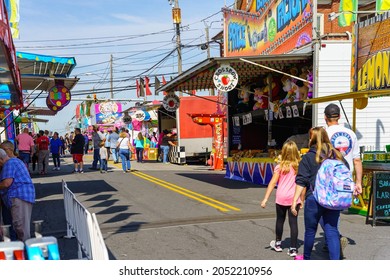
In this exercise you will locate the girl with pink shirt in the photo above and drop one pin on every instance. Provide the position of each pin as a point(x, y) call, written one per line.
point(284, 176)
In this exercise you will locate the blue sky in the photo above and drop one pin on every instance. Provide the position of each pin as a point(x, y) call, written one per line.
point(138, 34)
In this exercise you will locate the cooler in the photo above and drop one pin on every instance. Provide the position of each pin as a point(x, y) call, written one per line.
point(12, 250)
point(42, 248)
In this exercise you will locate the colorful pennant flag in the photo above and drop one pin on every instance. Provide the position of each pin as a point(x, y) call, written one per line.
point(137, 87)
point(141, 87)
point(157, 84)
point(147, 88)
point(347, 11)
point(164, 82)
point(13, 16)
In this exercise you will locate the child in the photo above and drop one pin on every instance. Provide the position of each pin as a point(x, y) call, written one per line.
point(284, 176)
point(103, 157)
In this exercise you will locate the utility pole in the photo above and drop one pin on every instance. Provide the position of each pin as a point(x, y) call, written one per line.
point(111, 78)
point(176, 16)
point(212, 92)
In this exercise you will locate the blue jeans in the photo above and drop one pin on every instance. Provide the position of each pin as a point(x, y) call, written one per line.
point(25, 157)
point(96, 158)
point(114, 155)
point(165, 150)
point(312, 216)
point(140, 154)
point(125, 157)
point(103, 166)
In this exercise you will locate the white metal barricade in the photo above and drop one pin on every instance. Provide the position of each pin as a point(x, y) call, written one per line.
point(84, 226)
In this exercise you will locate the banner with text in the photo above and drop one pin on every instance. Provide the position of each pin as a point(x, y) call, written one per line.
point(280, 27)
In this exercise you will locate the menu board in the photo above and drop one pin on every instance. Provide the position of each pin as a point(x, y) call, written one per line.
point(381, 196)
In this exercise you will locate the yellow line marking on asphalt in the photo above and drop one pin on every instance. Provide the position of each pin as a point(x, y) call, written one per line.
point(194, 195)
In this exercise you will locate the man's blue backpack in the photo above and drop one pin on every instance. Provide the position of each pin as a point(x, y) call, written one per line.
point(334, 185)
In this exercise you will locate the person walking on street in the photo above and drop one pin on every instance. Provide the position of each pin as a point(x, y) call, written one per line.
point(114, 136)
point(25, 146)
point(139, 147)
point(284, 176)
point(107, 143)
point(86, 142)
point(43, 152)
point(124, 146)
point(97, 138)
point(55, 149)
point(77, 151)
point(345, 141)
point(320, 149)
point(103, 158)
point(18, 193)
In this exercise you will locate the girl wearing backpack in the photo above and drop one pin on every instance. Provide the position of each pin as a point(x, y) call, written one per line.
point(320, 150)
point(284, 176)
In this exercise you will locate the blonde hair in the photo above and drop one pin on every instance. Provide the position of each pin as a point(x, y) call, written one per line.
point(123, 134)
point(140, 136)
point(324, 148)
point(289, 157)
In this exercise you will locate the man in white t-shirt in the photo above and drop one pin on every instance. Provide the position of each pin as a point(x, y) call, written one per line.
point(344, 140)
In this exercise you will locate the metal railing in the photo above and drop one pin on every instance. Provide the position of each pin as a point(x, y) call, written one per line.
point(84, 226)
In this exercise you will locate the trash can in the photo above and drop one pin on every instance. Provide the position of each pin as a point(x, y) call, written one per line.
point(42, 248)
point(13, 250)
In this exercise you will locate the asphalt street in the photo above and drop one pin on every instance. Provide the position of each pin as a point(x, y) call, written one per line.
point(143, 215)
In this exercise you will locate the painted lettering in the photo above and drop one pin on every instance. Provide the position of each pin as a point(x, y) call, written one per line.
point(262, 4)
point(236, 36)
point(289, 10)
point(383, 183)
point(382, 195)
point(374, 74)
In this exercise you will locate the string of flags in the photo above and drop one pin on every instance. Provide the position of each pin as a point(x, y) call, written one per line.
point(143, 86)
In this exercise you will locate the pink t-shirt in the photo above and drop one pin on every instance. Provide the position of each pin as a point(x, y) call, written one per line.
point(286, 187)
point(25, 142)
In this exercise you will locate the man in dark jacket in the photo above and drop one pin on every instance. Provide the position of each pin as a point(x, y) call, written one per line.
point(77, 151)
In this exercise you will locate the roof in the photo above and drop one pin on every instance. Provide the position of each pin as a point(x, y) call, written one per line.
point(44, 65)
point(42, 111)
point(45, 83)
point(200, 76)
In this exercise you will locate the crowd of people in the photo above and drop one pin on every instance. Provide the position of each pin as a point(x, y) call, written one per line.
point(295, 177)
point(30, 153)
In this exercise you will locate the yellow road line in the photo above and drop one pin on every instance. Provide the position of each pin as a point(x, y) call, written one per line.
point(183, 191)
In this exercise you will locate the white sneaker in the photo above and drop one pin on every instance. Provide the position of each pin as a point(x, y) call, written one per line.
point(58, 168)
point(276, 245)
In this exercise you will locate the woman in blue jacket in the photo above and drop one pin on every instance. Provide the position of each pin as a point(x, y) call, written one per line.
point(320, 149)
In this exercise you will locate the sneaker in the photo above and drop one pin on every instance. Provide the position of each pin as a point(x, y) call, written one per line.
point(58, 168)
point(343, 244)
point(276, 245)
point(81, 171)
point(74, 171)
point(55, 168)
point(292, 252)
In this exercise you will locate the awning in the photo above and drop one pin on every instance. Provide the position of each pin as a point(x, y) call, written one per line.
point(44, 65)
point(45, 83)
point(42, 111)
point(200, 76)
